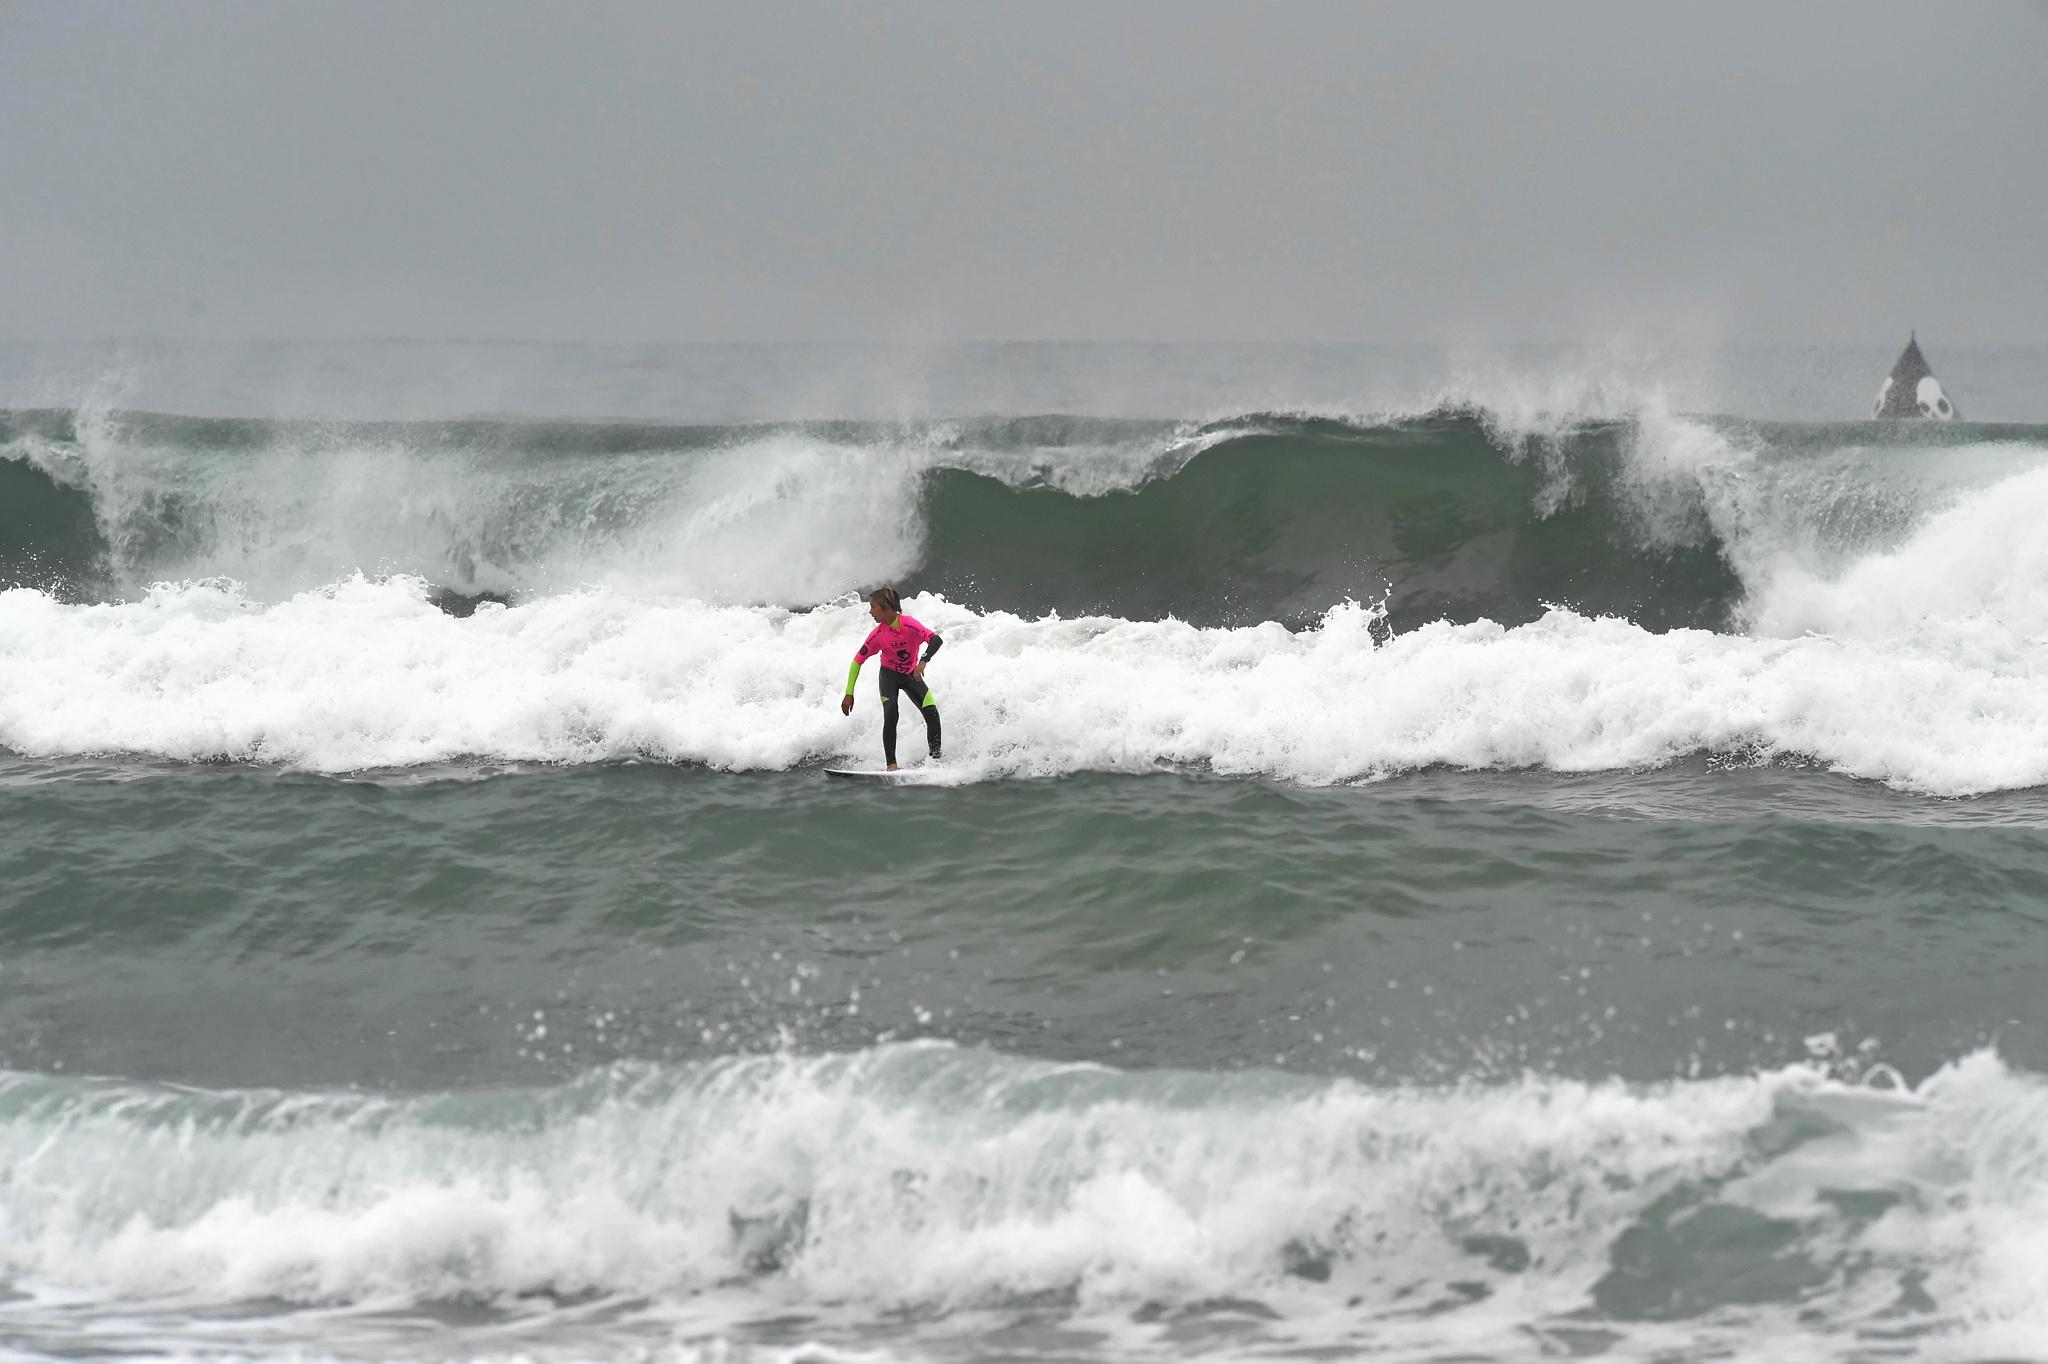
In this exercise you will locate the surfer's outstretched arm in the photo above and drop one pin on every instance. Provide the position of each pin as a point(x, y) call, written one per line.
point(852, 676)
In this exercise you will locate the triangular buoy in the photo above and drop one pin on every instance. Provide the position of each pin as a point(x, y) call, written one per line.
point(1911, 390)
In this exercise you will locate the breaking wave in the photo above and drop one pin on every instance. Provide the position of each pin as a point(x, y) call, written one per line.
point(1457, 514)
point(928, 1179)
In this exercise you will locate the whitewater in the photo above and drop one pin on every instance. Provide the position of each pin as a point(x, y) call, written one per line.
point(1357, 1217)
point(1311, 599)
point(370, 675)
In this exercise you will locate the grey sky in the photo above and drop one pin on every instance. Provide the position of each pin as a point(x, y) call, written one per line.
point(1449, 172)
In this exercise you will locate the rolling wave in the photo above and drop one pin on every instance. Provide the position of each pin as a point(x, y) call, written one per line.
point(1281, 518)
point(1453, 514)
point(929, 1179)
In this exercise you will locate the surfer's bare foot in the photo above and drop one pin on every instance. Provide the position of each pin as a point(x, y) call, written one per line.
point(892, 767)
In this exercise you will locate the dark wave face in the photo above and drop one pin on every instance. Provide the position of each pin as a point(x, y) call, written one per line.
point(1280, 519)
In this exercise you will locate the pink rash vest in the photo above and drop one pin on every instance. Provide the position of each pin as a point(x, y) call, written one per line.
point(897, 644)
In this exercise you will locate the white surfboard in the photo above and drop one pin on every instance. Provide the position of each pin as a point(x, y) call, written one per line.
point(881, 774)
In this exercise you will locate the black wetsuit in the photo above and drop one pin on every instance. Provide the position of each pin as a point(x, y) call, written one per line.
point(894, 682)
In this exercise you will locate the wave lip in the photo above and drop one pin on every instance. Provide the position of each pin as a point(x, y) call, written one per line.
point(923, 1179)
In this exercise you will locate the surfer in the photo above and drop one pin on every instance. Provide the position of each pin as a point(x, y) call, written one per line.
point(896, 637)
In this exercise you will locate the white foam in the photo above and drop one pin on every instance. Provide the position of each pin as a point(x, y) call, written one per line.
point(1974, 1175)
point(913, 1175)
point(1975, 571)
point(781, 517)
point(367, 674)
point(927, 1178)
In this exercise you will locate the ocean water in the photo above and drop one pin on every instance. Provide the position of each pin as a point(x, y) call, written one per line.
point(1438, 857)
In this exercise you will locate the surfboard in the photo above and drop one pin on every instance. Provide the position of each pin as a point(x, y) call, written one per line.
point(881, 774)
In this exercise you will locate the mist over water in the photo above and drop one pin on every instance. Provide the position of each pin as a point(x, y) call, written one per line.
point(1523, 854)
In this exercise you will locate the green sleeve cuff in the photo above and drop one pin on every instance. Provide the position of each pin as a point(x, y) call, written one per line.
point(852, 676)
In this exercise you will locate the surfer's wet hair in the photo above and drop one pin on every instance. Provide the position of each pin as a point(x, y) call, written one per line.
point(886, 598)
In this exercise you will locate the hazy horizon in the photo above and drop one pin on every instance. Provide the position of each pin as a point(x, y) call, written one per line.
point(898, 173)
point(1504, 347)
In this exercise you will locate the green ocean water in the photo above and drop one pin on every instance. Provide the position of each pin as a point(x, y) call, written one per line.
point(238, 927)
point(488, 992)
